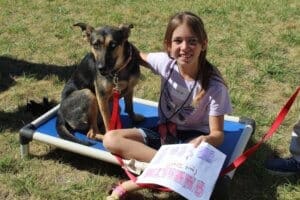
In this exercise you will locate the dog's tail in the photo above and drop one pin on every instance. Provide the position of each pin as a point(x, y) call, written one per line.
point(64, 132)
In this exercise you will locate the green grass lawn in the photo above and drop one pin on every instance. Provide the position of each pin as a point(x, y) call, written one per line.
point(254, 43)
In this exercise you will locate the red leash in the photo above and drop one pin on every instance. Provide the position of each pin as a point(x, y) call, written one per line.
point(115, 120)
point(115, 123)
point(278, 120)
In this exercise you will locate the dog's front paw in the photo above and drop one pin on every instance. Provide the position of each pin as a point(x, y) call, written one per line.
point(99, 137)
point(91, 134)
point(95, 136)
point(137, 118)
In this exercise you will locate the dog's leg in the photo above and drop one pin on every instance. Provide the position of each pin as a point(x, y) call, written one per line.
point(93, 131)
point(103, 103)
point(105, 111)
point(128, 98)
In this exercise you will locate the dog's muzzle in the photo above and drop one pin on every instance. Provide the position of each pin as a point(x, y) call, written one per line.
point(100, 66)
point(104, 70)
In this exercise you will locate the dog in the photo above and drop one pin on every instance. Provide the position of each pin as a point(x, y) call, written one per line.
point(86, 100)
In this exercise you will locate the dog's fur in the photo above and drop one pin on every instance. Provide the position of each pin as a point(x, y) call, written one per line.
point(87, 96)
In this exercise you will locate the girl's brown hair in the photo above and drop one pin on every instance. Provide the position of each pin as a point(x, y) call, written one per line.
point(206, 70)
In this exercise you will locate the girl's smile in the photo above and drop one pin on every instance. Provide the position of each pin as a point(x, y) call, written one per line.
point(185, 47)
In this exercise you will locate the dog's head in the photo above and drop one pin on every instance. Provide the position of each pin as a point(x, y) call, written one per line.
point(107, 45)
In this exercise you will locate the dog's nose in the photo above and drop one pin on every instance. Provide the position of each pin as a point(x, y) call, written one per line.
point(99, 65)
point(103, 69)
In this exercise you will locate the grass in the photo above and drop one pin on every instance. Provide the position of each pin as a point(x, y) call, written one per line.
point(255, 44)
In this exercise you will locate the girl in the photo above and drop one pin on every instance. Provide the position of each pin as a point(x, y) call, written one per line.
point(193, 99)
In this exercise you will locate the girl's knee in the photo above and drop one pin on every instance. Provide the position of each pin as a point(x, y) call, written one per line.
point(110, 140)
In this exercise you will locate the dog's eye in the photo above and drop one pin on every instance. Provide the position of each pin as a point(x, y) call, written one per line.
point(97, 45)
point(112, 45)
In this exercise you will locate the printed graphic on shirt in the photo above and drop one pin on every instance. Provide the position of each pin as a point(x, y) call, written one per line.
point(175, 96)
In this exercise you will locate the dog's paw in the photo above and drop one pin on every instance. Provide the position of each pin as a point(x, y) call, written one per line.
point(99, 137)
point(95, 135)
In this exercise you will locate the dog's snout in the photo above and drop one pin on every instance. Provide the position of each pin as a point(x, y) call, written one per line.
point(99, 65)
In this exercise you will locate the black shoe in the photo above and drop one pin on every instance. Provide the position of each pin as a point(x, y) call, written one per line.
point(283, 166)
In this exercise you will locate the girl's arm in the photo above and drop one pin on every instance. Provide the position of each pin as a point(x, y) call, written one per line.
point(216, 134)
point(143, 60)
point(144, 56)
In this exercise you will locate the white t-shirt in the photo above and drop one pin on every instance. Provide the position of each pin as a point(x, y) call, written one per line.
point(215, 102)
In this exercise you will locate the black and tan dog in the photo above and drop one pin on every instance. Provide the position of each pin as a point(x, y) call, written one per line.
point(86, 100)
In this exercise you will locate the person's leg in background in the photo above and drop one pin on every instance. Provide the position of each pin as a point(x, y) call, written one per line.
point(291, 165)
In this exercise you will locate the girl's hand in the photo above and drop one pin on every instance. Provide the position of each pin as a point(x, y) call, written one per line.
point(203, 138)
point(216, 134)
point(214, 140)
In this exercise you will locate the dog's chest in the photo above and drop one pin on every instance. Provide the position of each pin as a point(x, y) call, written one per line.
point(106, 85)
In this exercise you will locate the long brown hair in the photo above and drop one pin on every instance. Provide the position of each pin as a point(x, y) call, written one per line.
point(206, 70)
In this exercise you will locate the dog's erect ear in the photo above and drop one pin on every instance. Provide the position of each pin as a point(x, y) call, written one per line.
point(86, 28)
point(126, 29)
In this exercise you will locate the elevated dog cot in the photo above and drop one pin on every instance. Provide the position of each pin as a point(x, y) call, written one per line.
point(237, 133)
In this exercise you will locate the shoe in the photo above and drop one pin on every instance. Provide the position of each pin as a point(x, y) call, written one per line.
point(283, 166)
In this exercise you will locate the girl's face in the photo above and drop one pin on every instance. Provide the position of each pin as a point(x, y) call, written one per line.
point(185, 46)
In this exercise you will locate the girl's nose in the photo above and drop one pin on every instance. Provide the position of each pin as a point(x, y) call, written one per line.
point(185, 44)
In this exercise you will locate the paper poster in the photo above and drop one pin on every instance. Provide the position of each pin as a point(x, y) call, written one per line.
point(191, 172)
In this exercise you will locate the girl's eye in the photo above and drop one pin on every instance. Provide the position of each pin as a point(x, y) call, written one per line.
point(177, 41)
point(193, 41)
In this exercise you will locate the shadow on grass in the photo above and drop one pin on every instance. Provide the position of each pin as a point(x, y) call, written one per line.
point(10, 68)
point(253, 181)
point(13, 121)
point(99, 167)
point(84, 163)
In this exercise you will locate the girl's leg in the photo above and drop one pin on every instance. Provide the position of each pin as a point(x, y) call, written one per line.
point(129, 144)
point(290, 165)
point(295, 142)
point(122, 189)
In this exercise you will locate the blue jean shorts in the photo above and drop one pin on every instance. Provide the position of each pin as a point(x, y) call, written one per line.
point(152, 137)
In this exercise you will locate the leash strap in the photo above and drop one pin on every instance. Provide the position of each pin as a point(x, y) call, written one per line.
point(115, 121)
point(278, 120)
